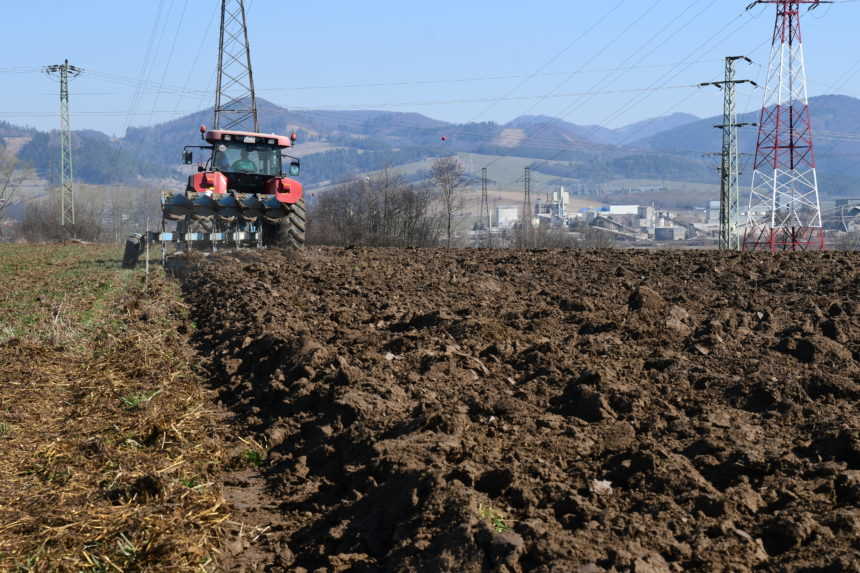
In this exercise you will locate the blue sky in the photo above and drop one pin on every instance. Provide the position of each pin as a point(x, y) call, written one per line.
point(474, 60)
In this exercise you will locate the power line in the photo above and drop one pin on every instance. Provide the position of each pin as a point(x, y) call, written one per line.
point(145, 67)
point(183, 90)
point(204, 38)
point(635, 100)
point(170, 56)
point(555, 57)
point(366, 106)
point(637, 52)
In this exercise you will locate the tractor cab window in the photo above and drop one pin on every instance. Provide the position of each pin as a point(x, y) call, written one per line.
point(236, 157)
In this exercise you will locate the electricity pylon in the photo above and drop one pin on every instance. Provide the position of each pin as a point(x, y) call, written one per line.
point(64, 72)
point(235, 100)
point(528, 231)
point(484, 216)
point(784, 208)
point(730, 239)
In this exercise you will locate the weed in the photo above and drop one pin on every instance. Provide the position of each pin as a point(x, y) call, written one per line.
point(7, 333)
point(96, 565)
point(190, 483)
point(57, 476)
point(99, 567)
point(29, 565)
point(58, 327)
point(132, 443)
point(494, 517)
point(50, 469)
point(139, 400)
point(253, 457)
point(126, 548)
point(4, 429)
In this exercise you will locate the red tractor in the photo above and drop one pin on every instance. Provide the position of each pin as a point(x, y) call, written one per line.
point(242, 195)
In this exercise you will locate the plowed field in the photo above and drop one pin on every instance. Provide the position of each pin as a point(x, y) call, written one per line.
point(544, 411)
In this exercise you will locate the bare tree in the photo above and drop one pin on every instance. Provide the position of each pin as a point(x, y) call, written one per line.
point(849, 241)
point(11, 177)
point(378, 211)
point(448, 175)
point(41, 219)
point(595, 238)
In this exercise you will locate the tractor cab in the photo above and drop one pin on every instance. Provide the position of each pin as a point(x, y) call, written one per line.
point(242, 161)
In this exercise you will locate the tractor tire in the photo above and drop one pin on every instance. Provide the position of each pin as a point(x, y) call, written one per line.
point(292, 228)
point(134, 246)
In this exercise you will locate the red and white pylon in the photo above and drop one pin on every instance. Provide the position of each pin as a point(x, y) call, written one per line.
point(784, 208)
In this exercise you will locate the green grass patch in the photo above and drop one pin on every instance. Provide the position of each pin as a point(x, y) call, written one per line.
point(138, 400)
point(59, 294)
point(253, 458)
point(496, 518)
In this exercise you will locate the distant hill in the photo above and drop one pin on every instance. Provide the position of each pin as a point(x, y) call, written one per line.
point(343, 143)
point(651, 127)
point(98, 159)
point(9, 130)
point(836, 129)
point(338, 145)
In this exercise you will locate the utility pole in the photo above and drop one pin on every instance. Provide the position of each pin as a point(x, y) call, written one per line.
point(730, 197)
point(484, 217)
point(235, 100)
point(64, 72)
point(785, 208)
point(527, 207)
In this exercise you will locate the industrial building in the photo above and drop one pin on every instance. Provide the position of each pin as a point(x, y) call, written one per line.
point(555, 209)
point(507, 216)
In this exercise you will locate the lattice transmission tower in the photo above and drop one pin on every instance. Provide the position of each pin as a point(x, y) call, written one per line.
point(528, 212)
point(235, 100)
point(64, 72)
point(730, 238)
point(484, 217)
point(784, 207)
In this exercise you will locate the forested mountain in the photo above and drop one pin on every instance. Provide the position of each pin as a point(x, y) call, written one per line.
point(9, 130)
point(338, 145)
point(97, 159)
point(835, 127)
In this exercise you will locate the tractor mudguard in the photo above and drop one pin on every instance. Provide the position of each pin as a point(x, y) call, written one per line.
point(287, 191)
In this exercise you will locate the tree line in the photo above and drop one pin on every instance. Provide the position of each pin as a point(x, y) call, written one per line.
point(379, 211)
point(385, 210)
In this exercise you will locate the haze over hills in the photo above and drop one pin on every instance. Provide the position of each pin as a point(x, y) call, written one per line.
point(835, 126)
point(338, 145)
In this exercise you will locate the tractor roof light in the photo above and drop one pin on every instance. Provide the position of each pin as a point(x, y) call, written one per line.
point(228, 137)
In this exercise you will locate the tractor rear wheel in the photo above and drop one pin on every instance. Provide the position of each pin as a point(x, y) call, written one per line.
point(292, 227)
point(134, 246)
